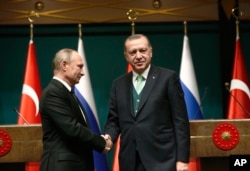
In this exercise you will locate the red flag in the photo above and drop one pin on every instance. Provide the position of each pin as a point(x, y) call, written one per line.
point(29, 105)
point(115, 166)
point(194, 164)
point(239, 100)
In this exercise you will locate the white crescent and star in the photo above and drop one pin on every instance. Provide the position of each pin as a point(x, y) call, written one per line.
point(239, 84)
point(29, 91)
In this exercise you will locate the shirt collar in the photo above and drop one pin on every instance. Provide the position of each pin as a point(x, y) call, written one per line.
point(63, 82)
point(144, 74)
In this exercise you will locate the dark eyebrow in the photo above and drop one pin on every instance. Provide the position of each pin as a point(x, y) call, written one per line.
point(140, 50)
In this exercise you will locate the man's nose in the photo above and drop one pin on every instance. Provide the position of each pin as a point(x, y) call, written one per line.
point(138, 54)
point(82, 72)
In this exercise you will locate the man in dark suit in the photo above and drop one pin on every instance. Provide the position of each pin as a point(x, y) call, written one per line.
point(67, 140)
point(152, 122)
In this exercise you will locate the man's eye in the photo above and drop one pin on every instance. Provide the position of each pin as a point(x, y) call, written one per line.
point(133, 52)
point(143, 50)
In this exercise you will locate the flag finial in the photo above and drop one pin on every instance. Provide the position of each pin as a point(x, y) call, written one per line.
point(237, 13)
point(31, 19)
point(132, 16)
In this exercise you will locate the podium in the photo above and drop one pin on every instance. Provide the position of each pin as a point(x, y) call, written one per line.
point(213, 158)
point(27, 143)
point(26, 146)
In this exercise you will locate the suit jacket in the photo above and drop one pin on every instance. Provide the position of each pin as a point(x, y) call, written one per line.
point(159, 131)
point(67, 140)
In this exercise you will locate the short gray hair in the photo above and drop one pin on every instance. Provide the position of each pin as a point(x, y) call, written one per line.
point(63, 54)
point(136, 36)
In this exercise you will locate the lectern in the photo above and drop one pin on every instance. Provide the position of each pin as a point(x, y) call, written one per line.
point(25, 146)
point(213, 141)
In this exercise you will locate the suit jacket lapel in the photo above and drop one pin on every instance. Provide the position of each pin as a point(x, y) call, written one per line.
point(128, 90)
point(76, 104)
point(151, 80)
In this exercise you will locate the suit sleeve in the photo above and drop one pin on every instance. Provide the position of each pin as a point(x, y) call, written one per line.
point(112, 124)
point(180, 118)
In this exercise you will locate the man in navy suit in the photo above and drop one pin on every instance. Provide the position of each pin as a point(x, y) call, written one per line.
point(68, 142)
point(153, 123)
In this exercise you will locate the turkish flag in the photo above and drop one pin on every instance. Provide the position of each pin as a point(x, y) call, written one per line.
point(239, 95)
point(29, 105)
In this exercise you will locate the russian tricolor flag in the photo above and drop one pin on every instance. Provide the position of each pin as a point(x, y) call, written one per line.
point(191, 94)
point(84, 93)
point(189, 84)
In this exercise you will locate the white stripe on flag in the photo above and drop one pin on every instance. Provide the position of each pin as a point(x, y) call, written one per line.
point(189, 84)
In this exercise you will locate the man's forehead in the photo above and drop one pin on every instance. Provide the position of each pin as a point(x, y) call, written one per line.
point(137, 45)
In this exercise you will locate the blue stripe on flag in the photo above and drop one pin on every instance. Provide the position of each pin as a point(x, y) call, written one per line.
point(100, 162)
point(193, 108)
point(91, 118)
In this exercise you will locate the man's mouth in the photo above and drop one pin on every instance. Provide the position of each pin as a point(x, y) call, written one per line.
point(139, 63)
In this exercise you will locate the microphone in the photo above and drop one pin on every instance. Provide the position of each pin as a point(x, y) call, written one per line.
point(227, 85)
point(19, 114)
point(202, 100)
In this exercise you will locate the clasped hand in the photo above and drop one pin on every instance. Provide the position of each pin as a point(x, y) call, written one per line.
point(109, 143)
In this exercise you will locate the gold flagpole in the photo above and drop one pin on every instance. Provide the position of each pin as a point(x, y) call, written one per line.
point(80, 30)
point(31, 31)
point(237, 28)
point(132, 16)
point(185, 28)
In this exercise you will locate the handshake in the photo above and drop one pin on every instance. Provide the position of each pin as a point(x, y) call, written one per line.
point(109, 143)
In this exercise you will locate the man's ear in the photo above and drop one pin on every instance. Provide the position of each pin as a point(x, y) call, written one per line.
point(64, 65)
point(125, 56)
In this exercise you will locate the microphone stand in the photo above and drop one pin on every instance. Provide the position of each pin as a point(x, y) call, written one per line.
point(19, 114)
point(205, 94)
point(243, 107)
